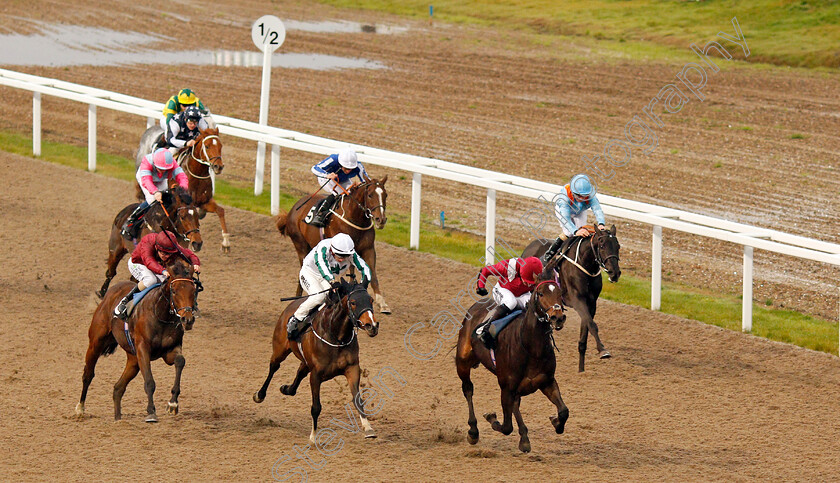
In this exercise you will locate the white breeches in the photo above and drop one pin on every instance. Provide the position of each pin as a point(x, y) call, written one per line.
point(332, 186)
point(143, 274)
point(312, 283)
point(579, 220)
point(150, 198)
point(503, 296)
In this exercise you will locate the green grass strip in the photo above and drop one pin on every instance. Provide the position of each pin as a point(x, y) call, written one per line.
point(690, 302)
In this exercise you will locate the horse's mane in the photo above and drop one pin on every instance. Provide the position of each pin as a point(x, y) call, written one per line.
point(179, 266)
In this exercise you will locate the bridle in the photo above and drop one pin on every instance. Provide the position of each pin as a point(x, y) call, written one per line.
point(204, 155)
point(366, 211)
point(184, 236)
point(354, 319)
point(597, 250)
point(192, 309)
point(545, 318)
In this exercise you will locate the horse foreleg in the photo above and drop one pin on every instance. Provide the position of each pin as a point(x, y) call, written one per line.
point(507, 409)
point(144, 360)
point(463, 367)
point(353, 375)
point(129, 373)
point(114, 257)
point(315, 385)
point(291, 389)
point(216, 208)
point(370, 258)
point(524, 442)
point(98, 342)
point(278, 357)
point(175, 357)
point(552, 392)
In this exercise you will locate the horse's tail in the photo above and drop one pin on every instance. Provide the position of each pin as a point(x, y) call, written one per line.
point(110, 348)
point(280, 222)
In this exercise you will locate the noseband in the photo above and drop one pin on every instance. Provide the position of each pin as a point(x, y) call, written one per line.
point(545, 318)
point(354, 319)
point(597, 251)
point(185, 235)
point(190, 309)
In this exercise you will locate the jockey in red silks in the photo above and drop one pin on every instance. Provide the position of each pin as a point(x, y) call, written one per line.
point(154, 174)
point(148, 263)
point(516, 281)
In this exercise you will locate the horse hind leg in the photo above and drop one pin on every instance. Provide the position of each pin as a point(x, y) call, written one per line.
point(506, 427)
point(96, 347)
point(114, 257)
point(370, 258)
point(353, 375)
point(315, 410)
point(552, 392)
point(291, 389)
point(463, 367)
point(220, 212)
point(129, 373)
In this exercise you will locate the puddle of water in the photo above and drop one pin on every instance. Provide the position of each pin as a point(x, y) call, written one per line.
point(342, 26)
point(60, 46)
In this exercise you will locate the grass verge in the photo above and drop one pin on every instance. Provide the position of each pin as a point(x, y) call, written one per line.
point(690, 302)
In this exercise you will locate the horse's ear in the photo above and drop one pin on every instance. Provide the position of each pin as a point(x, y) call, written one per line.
point(167, 198)
point(612, 230)
point(597, 230)
point(384, 179)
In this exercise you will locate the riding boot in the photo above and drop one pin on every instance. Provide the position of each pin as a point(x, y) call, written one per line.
point(484, 333)
point(553, 248)
point(294, 328)
point(128, 227)
point(320, 217)
point(120, 310)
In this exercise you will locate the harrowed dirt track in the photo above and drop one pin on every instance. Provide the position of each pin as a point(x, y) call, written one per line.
point(679, 400)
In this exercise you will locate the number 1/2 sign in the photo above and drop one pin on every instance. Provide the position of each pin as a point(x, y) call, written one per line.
point(268, 32)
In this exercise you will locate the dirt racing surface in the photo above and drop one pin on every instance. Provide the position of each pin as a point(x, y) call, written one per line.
point(679, 400)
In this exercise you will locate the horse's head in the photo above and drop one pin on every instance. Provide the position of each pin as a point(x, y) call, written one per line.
point(374, 200)
point(547, 300)
point(183, 290)
point(359, 305)
point(183, 215)
point(208, 150)
point(606, 247)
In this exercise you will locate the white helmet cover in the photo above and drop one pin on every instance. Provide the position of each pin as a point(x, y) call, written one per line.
point(342, 244)
point(347, 159)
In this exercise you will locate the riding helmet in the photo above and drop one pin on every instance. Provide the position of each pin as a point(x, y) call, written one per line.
point(581, 185)
point(164, 243)
point(192, 113)
point(342, 244)
point(163, 160)
point(531, 267)
point(347, 159)
point(186, 97)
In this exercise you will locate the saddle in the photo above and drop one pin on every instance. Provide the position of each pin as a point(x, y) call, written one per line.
point(497, 325)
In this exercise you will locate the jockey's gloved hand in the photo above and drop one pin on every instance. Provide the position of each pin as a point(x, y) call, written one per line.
point(365, 283)
point(481, 291)
point(335, 284)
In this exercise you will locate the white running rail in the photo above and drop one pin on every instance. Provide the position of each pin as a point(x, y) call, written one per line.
point(749, 237)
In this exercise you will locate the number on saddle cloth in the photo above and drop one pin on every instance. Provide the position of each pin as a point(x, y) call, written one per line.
point(497, 325)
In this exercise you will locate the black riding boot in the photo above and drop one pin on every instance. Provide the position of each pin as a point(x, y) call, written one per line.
point(120, 311)
point(320, 217)
point(294, 328)
point(552, 250)
point(483, 332)
point(128, 226)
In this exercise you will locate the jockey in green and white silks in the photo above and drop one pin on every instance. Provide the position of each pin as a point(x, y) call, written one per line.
point(570, 209)
point(320, 269)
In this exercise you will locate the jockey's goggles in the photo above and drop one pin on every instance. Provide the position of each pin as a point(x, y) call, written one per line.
point(581, 197)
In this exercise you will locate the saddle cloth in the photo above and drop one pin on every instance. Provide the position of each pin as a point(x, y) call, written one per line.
point(497, 325)
point(129, 309)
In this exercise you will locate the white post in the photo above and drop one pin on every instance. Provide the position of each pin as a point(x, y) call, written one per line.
point(36, 123)
point(414, 236)
point(490, 228)
point(91, 137)
point(746, 313)
point(266, 81)
point(150, 121)
point(275, 179)
point(656, 270)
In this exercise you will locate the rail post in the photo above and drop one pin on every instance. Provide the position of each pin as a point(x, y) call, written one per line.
point(746, 312)
point(36, 123)
point(490, 228)
point(656, 270)
point(414, 236)
point(91, 137)
point(275, 179)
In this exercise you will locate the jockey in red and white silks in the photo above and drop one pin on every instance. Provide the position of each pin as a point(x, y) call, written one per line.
point(516, 281)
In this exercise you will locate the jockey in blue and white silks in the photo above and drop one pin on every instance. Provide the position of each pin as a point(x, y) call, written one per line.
point(570, 209)
point(334, 170)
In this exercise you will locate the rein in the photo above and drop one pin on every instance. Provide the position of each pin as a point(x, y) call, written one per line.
point(208, 163)
point(544, 318)
point(353, 319)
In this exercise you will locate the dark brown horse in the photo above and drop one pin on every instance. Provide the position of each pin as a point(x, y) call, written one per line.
point(524, 359)
point(579, 272)
point(176, 214)
point(328, 350)
point(156, 326)
point(355, 214)
point(197, 162)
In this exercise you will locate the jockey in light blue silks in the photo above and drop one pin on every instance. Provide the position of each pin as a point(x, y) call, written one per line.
point(570, 209)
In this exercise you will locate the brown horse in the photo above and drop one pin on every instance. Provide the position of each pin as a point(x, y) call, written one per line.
point(177, 214)
point(355, 214)
point(580, 276)
point(197, 162)
point(328, 350)
point(157, 327)
point(524, 359)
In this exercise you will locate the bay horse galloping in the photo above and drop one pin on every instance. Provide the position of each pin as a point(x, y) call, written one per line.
point(523, 360)
point(355, 213)
point(329, 349)
point(176, 214)
point(200, 163)
point(579, 271)
point(157, 327)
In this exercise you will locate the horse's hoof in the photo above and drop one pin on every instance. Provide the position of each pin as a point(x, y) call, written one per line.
point(524, 446)
point(490, 417)
point(152, 418)
point(559, 426)
point(385, 309)
point(369, 434)
point(286, 390)
point(225, 250)
point(172, 407)
point(472, 438)
point(604, 354)
point(80, 409)
point(99, 294)
point(257, 398)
